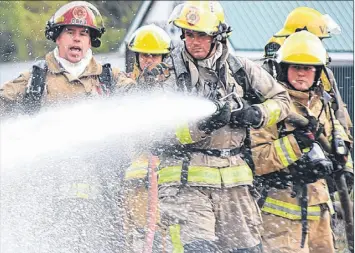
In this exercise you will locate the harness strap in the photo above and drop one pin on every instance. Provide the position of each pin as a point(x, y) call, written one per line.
point(34, 92)
point(33, 97)
point(304, 206)
point(217, 152)
point(261, 200)
point(106, 78)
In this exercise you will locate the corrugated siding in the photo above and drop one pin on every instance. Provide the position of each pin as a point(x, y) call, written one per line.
point(254, 22)
point(345, 79)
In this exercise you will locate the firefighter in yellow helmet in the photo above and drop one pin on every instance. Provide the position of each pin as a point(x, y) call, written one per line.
point(205, 182)
point(152, 46)
point(323, 26)
point(289, 161)
point(270, 49)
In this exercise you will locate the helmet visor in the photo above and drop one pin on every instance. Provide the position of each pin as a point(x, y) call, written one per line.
point(332, 27)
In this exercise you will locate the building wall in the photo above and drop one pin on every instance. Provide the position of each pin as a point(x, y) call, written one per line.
point(344, 76)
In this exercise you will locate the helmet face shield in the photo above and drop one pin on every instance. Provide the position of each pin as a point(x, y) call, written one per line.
point(175, 13)
point(304, 18)
point(332, 26)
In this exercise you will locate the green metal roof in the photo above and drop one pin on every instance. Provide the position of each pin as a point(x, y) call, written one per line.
point(254, 22)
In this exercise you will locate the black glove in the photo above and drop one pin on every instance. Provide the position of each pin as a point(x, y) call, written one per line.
point(217, 120)
point(157, 73)
point(312, 166)
point(248, 116)
point(349, 177)
point(304, 138)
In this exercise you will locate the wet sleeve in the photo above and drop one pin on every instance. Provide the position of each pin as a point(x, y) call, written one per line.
point(123, 82)
point(270, 153)
point(277, 101)
point(12, 93)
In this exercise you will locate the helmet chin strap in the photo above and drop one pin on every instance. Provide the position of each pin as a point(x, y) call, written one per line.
point(137, 61)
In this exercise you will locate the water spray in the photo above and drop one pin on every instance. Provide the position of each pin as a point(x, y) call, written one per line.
point(42, 156)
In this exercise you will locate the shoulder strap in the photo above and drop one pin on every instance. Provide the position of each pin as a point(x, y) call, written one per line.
point(272, 67)
point(35, 89)
point(183, 77)
point(106, 79)
point(241, 76)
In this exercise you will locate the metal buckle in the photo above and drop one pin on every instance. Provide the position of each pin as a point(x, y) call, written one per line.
point(225, 153)
point(35, 92)
point(239, 104)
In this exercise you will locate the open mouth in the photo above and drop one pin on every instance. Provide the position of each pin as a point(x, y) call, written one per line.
point(75, 49)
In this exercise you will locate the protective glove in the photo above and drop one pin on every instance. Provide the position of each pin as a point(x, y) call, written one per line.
point(217, 120)
point(312, 166)
point(247, 116)
point(155, 73)
point(349, 177)
point(304, 138)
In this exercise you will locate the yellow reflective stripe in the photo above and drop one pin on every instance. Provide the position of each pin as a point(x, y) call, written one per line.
point(329, 202)
point(138, 169)
point(207, 175)
point(203, 175)
point(285, 151)
point(288, 210)
point(280, 153)
point(349, 163)
point(289, 149)
point(175, 238)
point(330, 206)
point(340, 131)
point(325, 81)
point(274, 111)
point(183, 134)
point(82, 190)
point(138, 173)
point(232, 175)
point(169, 174)
point(305, 150)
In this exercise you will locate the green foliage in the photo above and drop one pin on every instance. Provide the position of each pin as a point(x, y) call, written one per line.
point(23, 24)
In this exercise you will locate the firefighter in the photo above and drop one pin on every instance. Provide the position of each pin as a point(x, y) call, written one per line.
point(270, 49)
point(305, 18)
point(289, 159)
point(68, 73)
point(323, 26)
point(151, 45)
point(204, 180)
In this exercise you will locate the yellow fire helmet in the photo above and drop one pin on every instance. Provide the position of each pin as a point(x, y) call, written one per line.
point(200, 16)
point(150, 39)
point(305, 18)
point(272, 46)
point(218, 9)
point(302, 48)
